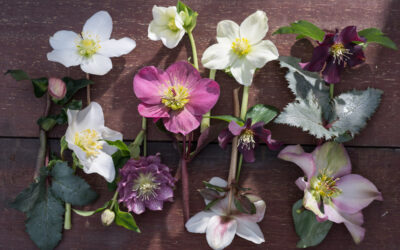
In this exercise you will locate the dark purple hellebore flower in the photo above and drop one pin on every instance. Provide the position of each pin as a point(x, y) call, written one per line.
point(335, 52)
point(248, 137)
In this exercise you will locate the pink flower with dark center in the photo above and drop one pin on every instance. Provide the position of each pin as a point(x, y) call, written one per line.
point(178, 95)
point(329, 184)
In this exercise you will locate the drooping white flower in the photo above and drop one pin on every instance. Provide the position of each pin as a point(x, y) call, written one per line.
point(241, 47)
point(85, 136)
point(92, 48)
point(221, 227)
point(167, 26)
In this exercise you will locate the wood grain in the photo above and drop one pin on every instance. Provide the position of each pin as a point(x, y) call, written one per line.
point(26, 26)
point(269, 177)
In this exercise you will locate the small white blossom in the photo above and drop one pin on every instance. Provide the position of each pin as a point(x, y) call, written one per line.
point(92, 48)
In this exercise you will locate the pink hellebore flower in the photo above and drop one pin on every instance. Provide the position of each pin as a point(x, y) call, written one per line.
point(221, 227)
point(57, 88)
point(178, 95)
point(329, 184)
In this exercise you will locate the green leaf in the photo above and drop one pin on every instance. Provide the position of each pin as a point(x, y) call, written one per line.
point(208, 194)
point(26, 200)
point(45, 221)
point(188, 16)
point(353, 109)
point(70, 188)
point(46, 123)
point(76, 162)
point(343, 138)
point(310, 231)
point(262, 113)
point(227, 118)
point(120, 145)
point(90, 213)
point(17, 74)
point(244, 205)
point(308, 117)
point(211, 203)
point(63, 145)
point(40, 86)
point(303, 29)
point(72, 87)
point(125, 220)
point(214, 187)
point(74, 105)
point(374, 35)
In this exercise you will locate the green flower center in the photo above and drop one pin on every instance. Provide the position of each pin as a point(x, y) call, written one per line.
point(246, 139)
point(339, 52)
point(324, 187)
point(145, 186)
point(88, 141)
point(241, 46)
point(172, 25)
point(175, 97)
point(88, 46)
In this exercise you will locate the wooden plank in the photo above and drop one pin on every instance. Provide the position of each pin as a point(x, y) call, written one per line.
point(269, 177)
point(27, 25)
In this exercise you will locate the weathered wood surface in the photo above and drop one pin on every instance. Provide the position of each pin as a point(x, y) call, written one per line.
point(26, 26)
point(269, 177)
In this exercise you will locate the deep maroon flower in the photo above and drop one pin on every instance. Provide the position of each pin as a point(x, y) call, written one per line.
point(248, 136)
point(145, 183)
point(335, 52)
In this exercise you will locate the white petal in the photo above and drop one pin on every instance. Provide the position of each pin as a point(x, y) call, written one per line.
point(111, 135)
point(160, 15)
point(221, 207)
point(97, 65)
point(101, 164)
point(100, 24)
point(198, 223)
point(218, 56)
point(227, 32)
point(115, 48)
point(254, 27)
point(260, 210)
point(301, 183)
point(171, 39)
point(67, 57)
point(155, 30)
point(250, 231)
point(243, 71)
point(218, 182)
point(311, 204)
point(64, 39)
point(220, 232)
point(91, 117)
point(262, 53)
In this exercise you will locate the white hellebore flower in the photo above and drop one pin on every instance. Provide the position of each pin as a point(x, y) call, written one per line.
point(91, 49)
point(241, 48)
point(167, 26)
point(85, 136)
point(221, 228)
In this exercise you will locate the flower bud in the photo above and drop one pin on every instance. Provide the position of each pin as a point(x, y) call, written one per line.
point(107, 217)
point(57, 88)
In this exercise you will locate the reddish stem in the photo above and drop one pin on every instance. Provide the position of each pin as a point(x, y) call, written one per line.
point(185, 183)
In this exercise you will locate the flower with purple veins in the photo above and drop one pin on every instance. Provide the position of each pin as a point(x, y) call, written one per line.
point(336, 51)
point(329, 184)
point(145, 183)
point(248, 134)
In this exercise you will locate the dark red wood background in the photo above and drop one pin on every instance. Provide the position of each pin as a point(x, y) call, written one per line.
point(24, 31)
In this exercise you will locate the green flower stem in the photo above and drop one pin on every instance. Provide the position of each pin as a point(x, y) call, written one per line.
point(234, 153)
point(144, 128)
point(87, 90)
point(114, 200)
point(331, 89)
point(67, 217)
point(239, 168)
point(194, 51)
point(205, 122)
point(245, 101)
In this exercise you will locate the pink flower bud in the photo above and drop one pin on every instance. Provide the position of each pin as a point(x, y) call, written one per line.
point(57, 88)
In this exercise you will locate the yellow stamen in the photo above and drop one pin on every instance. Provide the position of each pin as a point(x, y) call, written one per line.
point(246, 139)
point(324, 187)
point(88, 46)
point(175, 97)
point(241, 46)
point(339, 52)
point(88, 141)
point(172, 25)
point(145, 185)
